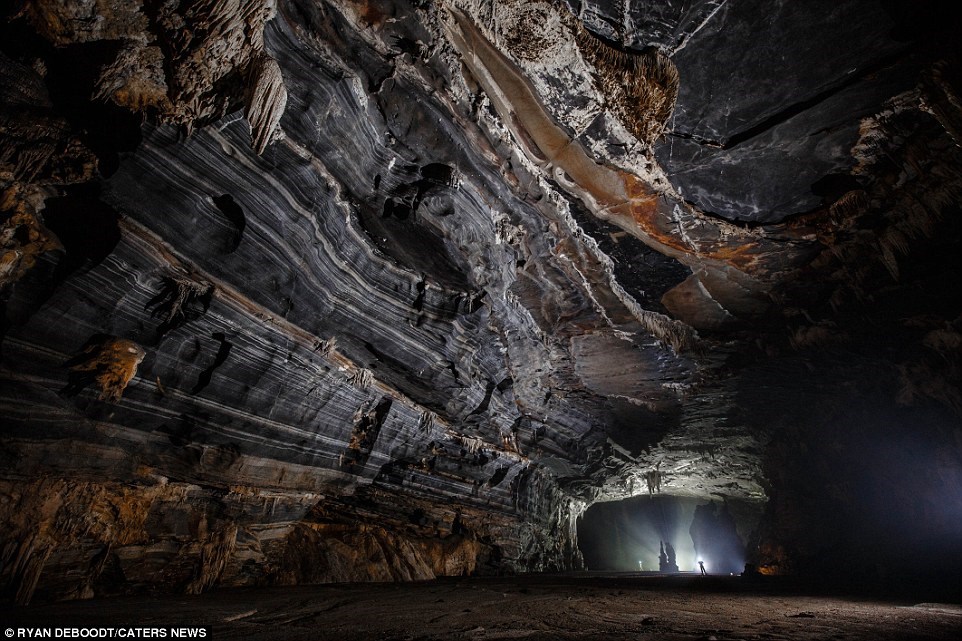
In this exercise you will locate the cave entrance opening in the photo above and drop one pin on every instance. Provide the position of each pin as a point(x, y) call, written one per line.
point(667, 534)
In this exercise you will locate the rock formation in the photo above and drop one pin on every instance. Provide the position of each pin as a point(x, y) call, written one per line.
point(343, 290)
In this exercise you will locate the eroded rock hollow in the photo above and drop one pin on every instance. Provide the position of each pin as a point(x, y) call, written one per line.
point(333, 290)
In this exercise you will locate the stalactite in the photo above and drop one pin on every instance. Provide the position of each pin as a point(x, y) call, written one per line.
point(107, 361)
point(640, 87)
point(23, 239)
point(214, 556)
point(361, 378)
point(265, 100)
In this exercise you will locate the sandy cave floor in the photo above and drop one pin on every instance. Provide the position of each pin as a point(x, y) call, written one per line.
point(530, 607)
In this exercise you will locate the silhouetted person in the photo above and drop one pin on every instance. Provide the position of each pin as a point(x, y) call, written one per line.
point(662, 558)
point(701, 565)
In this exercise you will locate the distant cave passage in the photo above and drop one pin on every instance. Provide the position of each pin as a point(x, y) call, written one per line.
point(627, 535)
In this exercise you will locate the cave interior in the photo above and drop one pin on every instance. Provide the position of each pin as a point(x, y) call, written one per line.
point(299, 292)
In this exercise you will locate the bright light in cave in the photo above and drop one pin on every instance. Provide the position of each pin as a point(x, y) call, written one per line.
point(628, 535)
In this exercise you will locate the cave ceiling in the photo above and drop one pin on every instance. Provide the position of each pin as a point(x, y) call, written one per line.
point(450, 267)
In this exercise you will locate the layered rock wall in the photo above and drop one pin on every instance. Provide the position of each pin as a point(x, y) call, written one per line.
point(368, 323)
